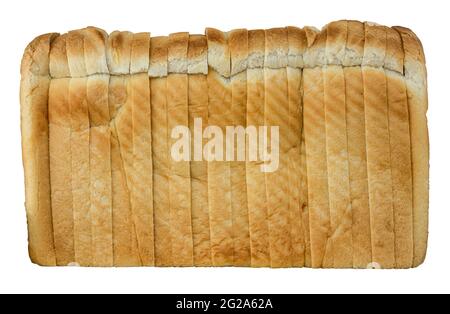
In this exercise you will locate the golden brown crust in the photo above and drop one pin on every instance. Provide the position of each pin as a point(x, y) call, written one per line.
point(142, 183)
point(75, 53)
point(158, 57)
point(178, 53)
point(341, 214)
point(198, 109)
point(59, 66)
point(277, 47)
point(395, 56)
point(354, 49)
point(336, 42)
point(198, 55)
point(256, 48)
point(238, 41)
point(297, 46)
point(416, 84)
point(375, 45)
point(140, 53)
point(59, 122)
point(316, 164)
point(218, 52)
point(118, 52)
point(95, 50)
point(35, 59)
point(357, 160)
point(379, 167)
point(34, 126)
point(315, 53)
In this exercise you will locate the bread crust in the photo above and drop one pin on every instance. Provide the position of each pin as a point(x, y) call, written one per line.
point(315, 54)
point(277, 48)
point(178, 53)
point(238, 41)
point(95, 51)
point(218, 52)
point(75, 53)
point(118, 52)
point(198, 55)
point(179, 175)
point(59, 66)
point(338, 43)
point(354, 49)
point(158, 57)
point(140, 53)
point(256, 48)
point(297, 46)
point(375, 45)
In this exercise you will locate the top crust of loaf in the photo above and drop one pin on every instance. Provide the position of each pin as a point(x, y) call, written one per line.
point(59, 65)
point(219, 57)
point(75, 53)
point(92, 51)
point(315, 54)
point(375, 45)
point(95, 51)
point(256, 48)
point(394, 59)
point(197, 55)
point(277, 48)
point(158, 57)
point(118, 52)
point(178, 53)
point(336, 42)
point(354, 49)
point(140, 53)
point(238, 41)
point(297, 45)
point(414, 59)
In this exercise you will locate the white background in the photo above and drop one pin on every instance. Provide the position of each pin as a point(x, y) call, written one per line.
point(21, 21)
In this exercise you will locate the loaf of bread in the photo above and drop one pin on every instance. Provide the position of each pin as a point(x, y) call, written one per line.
point(338, 178)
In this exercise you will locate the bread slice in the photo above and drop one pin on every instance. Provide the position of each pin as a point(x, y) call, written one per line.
point(357, 165)
point(160, 151)
point(400, 140)
point(198, 109)
point(341, 217)
point(416, 85)
point(275, 110)
point(238, 44)
point(179, 175)
point(58, 63)
point(141, 193)
point(81, 185)
point(256, 185)
point(100, 170)
point(316, 161)
point(61, 170)
point(219, 172)
point(297, 46)
point(34, 97)
point(378, 148)
point(125, 248)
